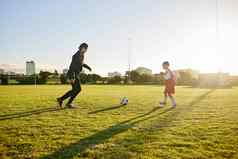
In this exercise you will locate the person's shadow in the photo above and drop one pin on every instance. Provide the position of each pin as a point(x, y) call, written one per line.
point(79, 147)
point(28, 113)
point(107, 109)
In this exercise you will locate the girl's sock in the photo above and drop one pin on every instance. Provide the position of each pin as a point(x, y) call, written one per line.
point(165, 99)
point(172, 101)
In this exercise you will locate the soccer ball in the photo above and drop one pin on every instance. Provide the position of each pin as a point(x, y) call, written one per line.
point(124, 101)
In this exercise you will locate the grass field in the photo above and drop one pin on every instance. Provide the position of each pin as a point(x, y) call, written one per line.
point(204, 124)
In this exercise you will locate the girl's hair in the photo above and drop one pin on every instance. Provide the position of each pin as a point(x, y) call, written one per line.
point(83, 45)
point(166, 63)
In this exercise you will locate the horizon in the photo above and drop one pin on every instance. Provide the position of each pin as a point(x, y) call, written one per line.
point(23, 70)
point(189, 34)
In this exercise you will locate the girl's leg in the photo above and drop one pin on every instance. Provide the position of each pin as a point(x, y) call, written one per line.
point(165, 98)
point(172, 99)
point(163, 102)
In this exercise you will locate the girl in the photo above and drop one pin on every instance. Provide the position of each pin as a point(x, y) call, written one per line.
point(170, 82)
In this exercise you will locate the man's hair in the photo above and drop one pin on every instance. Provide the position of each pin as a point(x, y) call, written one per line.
point(83, 45)
point(166, 63)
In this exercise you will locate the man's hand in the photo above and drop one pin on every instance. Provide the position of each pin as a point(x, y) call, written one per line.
point(71, 81)
point(87, 67)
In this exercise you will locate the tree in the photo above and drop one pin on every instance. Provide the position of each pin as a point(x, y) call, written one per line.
point(146, 78)
point(63, 79)
point(56, 73)
point(30, 80)
point(93, 78)
point(158, 79)
point(187, 77)
point(83, 78)
point(115, 80)
point(135, 76)
point(43, 76)
point(4, 80)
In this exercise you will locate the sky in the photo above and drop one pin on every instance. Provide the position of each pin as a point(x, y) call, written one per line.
point(189, 33)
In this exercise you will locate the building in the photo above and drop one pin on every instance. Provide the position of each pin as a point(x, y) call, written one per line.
point(30, 68)
point(143, 70)
point(113, 74)
point(1, 71)
point(65, 71)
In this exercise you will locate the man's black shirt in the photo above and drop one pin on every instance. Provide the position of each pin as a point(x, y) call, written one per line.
point(76, 65)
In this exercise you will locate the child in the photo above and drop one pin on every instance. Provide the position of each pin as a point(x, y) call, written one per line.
point(170, 82)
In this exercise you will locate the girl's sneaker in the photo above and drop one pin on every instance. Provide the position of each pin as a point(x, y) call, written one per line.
point(162, 104)
point(174, 105)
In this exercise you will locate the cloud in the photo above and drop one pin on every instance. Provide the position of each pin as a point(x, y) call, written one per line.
point(47, 67)
point(21, 69)
point(12, 68)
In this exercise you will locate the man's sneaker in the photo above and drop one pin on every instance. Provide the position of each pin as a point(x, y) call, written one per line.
point(60, 102)
point(70, 106)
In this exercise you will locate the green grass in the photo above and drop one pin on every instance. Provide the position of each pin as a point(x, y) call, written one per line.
point(204, 124)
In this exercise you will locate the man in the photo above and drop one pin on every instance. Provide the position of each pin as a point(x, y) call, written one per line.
point(73, 75)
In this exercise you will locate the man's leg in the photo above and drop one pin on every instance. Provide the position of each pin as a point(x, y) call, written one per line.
point(75, 91)
point(65, 96)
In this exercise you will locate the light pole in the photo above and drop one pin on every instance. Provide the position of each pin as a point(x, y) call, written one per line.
point(218, 33)
point(129, 59)
point(35, 80)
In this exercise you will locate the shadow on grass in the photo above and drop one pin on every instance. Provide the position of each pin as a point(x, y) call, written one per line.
point(200, 98)
point(207, 87)
point(106, 109)
point(76, 149)
point(27, 113)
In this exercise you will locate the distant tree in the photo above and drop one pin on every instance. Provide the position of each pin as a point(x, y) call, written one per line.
point(63, 79)
point(234, 82)
point(83, 78)
point(115, 80)
point(4, 80)
point(43, 76)
point(146, 78)
point(56, 73)
point(158, 79)
point(30, 80)
point(185, 78)
point(135, 76)
point(104, 79)
point(195, 82)
point(93, 78)
point(140, 78)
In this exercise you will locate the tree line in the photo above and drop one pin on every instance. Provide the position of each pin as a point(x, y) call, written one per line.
point(135, 77)
point(184, 77)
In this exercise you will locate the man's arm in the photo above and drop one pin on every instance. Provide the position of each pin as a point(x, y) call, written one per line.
point(70, 73)
point(87, 67)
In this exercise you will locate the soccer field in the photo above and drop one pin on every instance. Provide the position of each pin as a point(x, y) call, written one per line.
point(203, 125)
